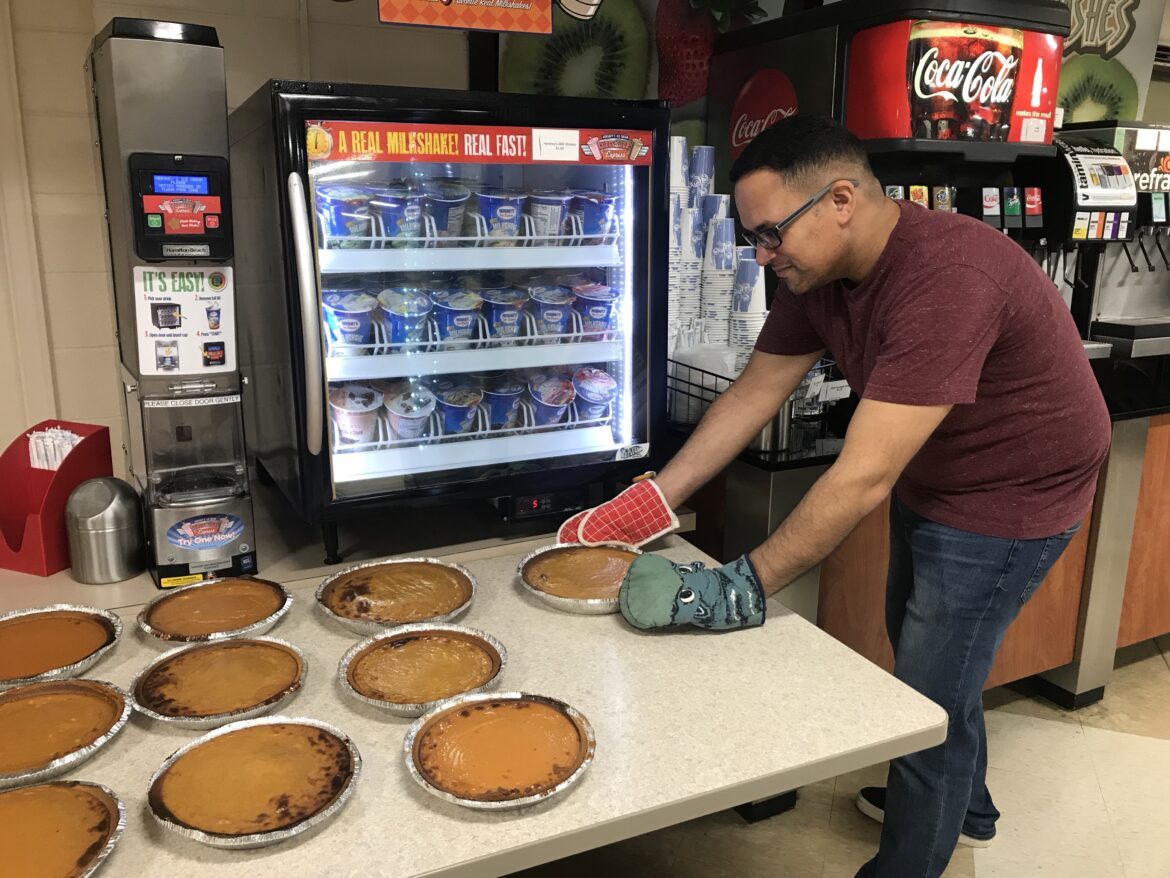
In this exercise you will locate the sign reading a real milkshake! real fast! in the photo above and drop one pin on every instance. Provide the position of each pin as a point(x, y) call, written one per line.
point(522, 16)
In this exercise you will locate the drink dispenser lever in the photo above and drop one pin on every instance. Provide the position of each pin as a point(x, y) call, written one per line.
point(1161, 252)
point(1142, 247)
point(1125, 249)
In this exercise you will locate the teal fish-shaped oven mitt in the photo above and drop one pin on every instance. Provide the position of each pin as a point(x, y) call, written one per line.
point(657, 593)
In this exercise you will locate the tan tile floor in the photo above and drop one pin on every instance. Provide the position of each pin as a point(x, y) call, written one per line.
point(1083, 795)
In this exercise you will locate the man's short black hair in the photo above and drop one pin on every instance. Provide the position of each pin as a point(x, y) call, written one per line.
point(798, 146)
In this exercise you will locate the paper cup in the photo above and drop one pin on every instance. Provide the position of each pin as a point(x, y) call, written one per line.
point(504, 311)
point(456, 315)
point(502, 399)
point(457, 405)
point(410, 411)
point(700, 173)
point(553, 309)
point(595, 391)
point(595, 211)
point(502, 209)
point(345, 213)
point(396, 212)
point(595, 303)
point(445, 202)
point(354, 409)
point(349, 314)
point(549, 210)
point(679, 163)
point(550, 398)
point(404, 313)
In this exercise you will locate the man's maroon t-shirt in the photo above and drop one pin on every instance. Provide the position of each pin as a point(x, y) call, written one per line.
point(953, 312)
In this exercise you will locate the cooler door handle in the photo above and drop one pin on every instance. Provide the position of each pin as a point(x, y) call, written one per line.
point(310, 321)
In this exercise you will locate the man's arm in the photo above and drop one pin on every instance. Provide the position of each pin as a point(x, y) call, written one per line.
point(734, 418)
point(882, 439)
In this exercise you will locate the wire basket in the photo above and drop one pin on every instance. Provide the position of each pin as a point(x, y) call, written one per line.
point(691, 390)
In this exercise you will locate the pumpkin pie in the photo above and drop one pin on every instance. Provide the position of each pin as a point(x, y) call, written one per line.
point(220, 678)
point(55, 830)
point(256, 779)
point(214, 607)
point(41, 642)
point(500, 750)
point(579, 572)
point(42, 722)
point(424, 666)
point(397, 592)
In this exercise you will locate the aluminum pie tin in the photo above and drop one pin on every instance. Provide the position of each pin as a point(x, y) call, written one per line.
point(580, 606)
point(584, 728)
point(215, 720)
point(79, 667)
point(74, 757)
point(370, 626)
point(259, 839)
point(409, 632)
point(117, 814)
point(263, 626)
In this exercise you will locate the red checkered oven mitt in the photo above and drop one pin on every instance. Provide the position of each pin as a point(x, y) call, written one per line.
point(636, 516)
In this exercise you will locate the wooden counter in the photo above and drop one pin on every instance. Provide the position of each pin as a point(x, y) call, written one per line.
point(1146, 610)
point(853, 595)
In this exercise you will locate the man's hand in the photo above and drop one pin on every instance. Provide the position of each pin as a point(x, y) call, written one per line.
point(636, 516)
point(657, 593)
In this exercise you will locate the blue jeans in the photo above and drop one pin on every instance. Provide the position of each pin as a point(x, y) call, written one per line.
point(950, 597)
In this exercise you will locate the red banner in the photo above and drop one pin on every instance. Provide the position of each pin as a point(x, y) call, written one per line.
point(520, 16)
point(475, 144)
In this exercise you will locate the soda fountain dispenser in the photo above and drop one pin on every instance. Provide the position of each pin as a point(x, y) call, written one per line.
point(161, 108)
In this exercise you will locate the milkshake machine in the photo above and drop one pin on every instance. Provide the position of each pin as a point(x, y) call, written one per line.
point(161, 109)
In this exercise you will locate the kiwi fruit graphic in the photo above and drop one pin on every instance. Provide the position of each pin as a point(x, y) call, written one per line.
point(607, 56)
point(1092, 89)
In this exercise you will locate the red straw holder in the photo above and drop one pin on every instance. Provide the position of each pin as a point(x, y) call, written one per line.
point(32, 514)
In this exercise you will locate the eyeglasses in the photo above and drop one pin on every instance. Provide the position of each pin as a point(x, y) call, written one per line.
point(772, 237)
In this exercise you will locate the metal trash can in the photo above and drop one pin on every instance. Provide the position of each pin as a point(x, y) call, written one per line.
point(104, 521)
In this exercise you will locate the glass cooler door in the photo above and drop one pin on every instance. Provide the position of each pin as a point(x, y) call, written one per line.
point(480, 291)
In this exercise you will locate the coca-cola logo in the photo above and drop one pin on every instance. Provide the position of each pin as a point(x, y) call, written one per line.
point(988, 79)
point(764, 100)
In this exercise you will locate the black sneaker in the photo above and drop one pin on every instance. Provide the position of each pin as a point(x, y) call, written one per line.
point(871, 801)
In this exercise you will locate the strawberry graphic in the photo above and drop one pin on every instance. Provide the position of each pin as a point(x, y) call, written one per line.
point(684, 31)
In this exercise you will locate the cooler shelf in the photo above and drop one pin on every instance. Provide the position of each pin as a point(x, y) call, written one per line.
point(359, 466)
point(466, 258)
point(416, 365)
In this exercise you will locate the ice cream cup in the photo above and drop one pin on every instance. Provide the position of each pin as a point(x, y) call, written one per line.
point(213, 315)
point(458, 404)
point(550, 398)
point(504, 311)
point(456, 315)
point(595, 210)
point(502, 399)
point(345, 213)
point(410, 411)
point(595, 303)
point(502, 209)
point(549, 209)
point(404, 312)
point(349, 314)
point(445, 202)
point(396, 212)
point(354, 409)
point(553, 310)
point(595, 391)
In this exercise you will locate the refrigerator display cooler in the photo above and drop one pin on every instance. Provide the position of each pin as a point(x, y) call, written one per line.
point(448, 293)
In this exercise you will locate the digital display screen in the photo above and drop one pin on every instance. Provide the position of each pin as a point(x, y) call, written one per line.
point(179, 184)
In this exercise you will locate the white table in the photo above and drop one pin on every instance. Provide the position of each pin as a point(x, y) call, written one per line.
point(687, 723)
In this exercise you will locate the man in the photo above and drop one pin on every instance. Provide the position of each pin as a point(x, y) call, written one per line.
point(978, 410)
